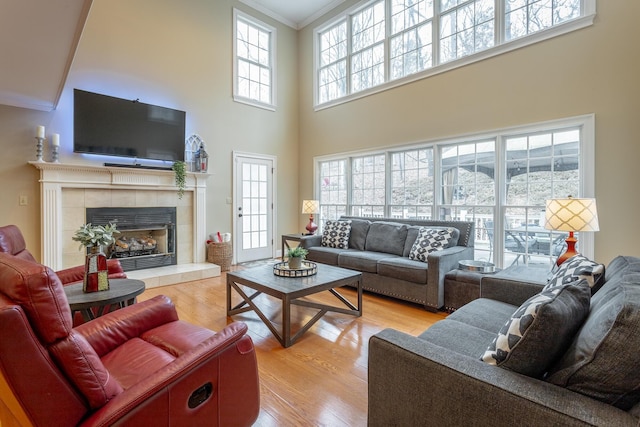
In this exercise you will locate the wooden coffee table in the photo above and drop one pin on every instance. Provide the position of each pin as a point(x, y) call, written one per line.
point(290, 290)
point(121, 291)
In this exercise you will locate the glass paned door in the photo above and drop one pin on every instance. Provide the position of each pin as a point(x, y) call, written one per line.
point(254, 208)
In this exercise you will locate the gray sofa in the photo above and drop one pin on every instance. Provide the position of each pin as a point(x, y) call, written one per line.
point(438, 378)
point(379, 248)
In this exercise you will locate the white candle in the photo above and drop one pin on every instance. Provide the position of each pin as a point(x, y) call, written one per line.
point(40, 133)
point(56, 140)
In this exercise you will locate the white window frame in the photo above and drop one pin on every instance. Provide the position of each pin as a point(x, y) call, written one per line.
point(239, 15)
point(587, 169)
point(500, 47)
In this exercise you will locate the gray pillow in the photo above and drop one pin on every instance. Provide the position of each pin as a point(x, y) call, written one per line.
point(540, 330)
point(387, 237)
point(359, 230)
point(602, 361)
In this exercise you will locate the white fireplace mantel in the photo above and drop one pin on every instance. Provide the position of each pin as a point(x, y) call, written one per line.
point(56, 176)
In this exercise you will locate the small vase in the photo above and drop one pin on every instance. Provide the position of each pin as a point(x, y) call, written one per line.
point(295, 263)
point(96, 273)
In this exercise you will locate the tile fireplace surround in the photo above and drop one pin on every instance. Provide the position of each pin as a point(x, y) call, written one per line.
point(67, 190)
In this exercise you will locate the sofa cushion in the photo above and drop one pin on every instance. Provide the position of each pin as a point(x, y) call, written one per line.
point(484, 313)
point(335, 234)
point(358, 236)
point(388, 237)
point(364, 261)
point(458, 337)
point(324, 254)
point(404, 269)
point(575, 268)
point(602, 361)
point(429, 240)
point(540, 330)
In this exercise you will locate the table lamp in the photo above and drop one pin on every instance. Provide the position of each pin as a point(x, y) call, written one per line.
point(310, 207)
point(571, 215)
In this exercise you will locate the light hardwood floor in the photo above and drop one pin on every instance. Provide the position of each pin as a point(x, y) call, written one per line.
point(322, 379)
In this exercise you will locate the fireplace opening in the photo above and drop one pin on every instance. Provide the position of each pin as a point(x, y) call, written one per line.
point(147, 237)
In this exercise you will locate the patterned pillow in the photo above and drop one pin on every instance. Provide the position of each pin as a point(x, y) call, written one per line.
point(430, 240)
point(540, 330)
point(336, 234)
point(575, 268)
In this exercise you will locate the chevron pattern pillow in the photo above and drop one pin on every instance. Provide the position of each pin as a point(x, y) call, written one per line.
point(540, 330)
point(335, 234)
point(430, 240)
point(575, 268)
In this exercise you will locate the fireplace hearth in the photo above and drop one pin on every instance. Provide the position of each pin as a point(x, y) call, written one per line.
point(147, 236)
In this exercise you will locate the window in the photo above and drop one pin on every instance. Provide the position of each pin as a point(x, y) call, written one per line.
point(383, 43)
point(500, 180)
point(254, 65)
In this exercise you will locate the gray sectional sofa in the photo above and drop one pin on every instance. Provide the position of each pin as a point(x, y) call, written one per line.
point(379, 248)
point(438, 377)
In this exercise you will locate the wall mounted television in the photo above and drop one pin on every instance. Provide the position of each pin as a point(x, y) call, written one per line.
point(111, 126)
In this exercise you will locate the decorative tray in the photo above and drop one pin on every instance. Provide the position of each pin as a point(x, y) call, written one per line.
point(479, 266)
point(308, 269)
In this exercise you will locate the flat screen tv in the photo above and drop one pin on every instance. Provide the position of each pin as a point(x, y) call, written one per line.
point(126, 128)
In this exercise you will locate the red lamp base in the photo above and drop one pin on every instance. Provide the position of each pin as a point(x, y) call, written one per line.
point(571, 249)
point(311, 227)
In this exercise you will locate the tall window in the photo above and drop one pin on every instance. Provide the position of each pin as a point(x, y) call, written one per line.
point(499, 180)
point(379, 42)
point(254, 66)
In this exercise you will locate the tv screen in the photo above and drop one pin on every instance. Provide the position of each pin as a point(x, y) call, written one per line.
point(126, 128)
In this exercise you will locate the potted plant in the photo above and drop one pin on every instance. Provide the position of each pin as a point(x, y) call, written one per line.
point(296, 255)
point(180, 170)
point(94, 237)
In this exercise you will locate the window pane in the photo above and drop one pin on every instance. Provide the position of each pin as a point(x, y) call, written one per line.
point(253, 71)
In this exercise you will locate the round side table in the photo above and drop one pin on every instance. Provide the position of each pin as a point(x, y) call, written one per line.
point(122, 292)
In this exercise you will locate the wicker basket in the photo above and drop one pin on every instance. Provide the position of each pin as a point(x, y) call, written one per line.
point(221, 254)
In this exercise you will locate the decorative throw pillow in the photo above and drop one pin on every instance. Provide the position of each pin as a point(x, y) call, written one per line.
point(540, 330)
point(602, 360)
point(336, 234)
point(575, 268)
point(430, 240)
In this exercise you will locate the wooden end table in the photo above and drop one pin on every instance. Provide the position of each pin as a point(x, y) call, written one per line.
point(122, 292)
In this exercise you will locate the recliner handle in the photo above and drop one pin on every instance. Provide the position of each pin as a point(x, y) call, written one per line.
point(199, 396)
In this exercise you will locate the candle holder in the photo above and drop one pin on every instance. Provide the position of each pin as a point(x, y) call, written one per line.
point(54, 154)
point(39, 146)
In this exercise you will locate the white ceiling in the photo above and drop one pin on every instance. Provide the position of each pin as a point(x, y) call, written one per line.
point(295, 13)
point(38, 40)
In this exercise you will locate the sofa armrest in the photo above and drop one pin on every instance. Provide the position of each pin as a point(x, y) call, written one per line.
point(439, 264)
point(76, 274)
point(227, 360)
point(414, 382)
point(113, 329)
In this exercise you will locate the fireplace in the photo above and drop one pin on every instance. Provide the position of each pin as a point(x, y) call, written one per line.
point(147, 237)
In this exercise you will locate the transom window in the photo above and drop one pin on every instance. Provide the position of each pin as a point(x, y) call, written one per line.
point(254, 65)
point(499, 180)
point(383, 43)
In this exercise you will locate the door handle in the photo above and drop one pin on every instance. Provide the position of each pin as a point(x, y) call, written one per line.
point(239, 215)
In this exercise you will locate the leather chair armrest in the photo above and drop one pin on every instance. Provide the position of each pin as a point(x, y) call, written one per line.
point(113, 329)
point(76, 274)
point(227, 360)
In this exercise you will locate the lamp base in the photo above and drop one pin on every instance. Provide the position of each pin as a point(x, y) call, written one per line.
point(571, 249)
point(311, 227)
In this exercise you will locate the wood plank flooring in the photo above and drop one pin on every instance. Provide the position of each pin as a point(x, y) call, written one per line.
point(322, 379)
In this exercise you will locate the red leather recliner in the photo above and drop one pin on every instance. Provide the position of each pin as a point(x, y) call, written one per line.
point(136, 366)
point(12, 242)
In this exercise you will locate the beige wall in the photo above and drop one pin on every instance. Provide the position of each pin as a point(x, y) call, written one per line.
point(166, 53)
point(171, 53)
point(594, 70)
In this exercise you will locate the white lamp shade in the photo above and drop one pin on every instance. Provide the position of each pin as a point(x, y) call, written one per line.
point(310, 206)
point(571, 215)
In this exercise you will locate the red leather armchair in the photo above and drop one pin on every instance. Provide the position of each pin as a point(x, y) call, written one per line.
point(12, 242)
point(139, 365)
